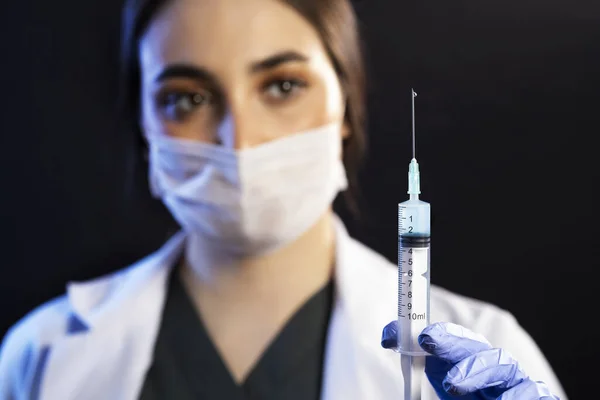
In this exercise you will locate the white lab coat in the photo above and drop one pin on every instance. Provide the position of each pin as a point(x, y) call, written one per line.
point(39, 360)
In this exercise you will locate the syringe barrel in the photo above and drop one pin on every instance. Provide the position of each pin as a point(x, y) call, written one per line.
point(414, 218)
point(414, 236)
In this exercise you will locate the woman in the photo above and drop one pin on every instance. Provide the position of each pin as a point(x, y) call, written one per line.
point(252, 115)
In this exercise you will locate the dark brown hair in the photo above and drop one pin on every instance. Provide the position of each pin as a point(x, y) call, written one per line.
point(336, 23)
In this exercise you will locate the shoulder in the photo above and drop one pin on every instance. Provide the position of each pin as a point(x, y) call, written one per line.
point(381, 275)
point(467, 311)
point(41, 325)
point(52, 320)
point(27, 343)
point(47, 324)
point(23, 344)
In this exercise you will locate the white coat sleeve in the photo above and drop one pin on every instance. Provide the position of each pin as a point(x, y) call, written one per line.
point(503, 331)
point(10, 366)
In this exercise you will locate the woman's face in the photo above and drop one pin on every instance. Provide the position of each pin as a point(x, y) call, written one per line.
point(237, 73)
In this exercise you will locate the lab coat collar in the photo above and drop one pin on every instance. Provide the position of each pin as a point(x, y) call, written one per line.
point(118, 318)
point(94, 300)
point(129, 304)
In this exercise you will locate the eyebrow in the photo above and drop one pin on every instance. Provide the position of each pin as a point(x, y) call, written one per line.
point(276, 60)
point(201, 74)
point(186, 71)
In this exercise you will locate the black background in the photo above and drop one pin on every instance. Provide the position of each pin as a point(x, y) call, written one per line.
point(507, 121)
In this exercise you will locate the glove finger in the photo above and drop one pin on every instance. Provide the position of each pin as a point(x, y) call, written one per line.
point(436, 370)
point(529, 390)
point(451, 342)
point(389, 336)
point(493, 368)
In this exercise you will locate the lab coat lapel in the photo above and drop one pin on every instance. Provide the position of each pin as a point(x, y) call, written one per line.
point(113, 331)
point(116, 321)
point(356, 366)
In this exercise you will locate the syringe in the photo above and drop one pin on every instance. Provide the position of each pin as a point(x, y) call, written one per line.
point(414, 236)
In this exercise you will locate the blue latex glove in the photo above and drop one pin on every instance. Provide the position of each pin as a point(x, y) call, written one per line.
point(464, 365)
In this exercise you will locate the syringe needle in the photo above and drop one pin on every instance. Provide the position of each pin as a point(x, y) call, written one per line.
point(414, 94)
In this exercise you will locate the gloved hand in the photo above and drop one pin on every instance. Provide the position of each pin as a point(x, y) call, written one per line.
point(464, 365)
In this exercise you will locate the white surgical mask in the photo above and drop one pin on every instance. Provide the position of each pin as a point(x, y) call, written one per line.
point(253, 201)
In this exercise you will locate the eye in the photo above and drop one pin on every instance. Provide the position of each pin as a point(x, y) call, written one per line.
point(178, 105)
point(283, 89)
